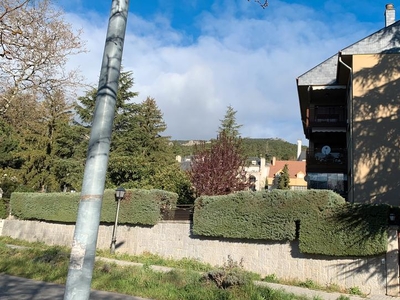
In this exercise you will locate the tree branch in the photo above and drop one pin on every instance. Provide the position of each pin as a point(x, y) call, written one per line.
point(263, 3)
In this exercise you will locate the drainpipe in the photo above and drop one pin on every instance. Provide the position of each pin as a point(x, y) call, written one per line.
point(350, 118)
point(309, 110)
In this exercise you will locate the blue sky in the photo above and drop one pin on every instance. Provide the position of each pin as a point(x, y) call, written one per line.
point(197, 57)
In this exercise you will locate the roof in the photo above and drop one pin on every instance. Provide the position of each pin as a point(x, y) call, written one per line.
point(385, 40)
point(322, 74)
point(294, 167)
point(302, 156)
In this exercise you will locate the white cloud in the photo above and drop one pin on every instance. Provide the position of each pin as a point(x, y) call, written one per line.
point(246, 59)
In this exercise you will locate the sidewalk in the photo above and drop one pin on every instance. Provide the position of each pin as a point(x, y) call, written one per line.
point(322, 295)
point(17, 288)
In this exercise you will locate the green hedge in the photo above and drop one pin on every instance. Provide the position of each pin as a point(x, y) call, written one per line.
point(138, 206)
point(327, 224)
point(3, 208)
point(346, 230)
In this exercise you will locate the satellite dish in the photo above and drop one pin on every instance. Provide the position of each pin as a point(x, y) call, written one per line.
point(326, 150)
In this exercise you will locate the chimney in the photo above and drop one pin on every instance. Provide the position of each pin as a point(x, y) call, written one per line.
point(390, 15)
point(262, 164)
point(273, 162)
point(298, 149)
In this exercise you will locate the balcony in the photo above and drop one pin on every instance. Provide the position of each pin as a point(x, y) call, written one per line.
point(327, 118)
point(335, 161)
point(328, 121)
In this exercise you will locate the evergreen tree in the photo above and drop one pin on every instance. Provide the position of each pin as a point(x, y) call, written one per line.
point(38, 137)
point(70, 150)
point(150, 127)
point(284, 178)
point(140, 157)
point(9, 146)
point(229, 125)
point(149, 152)
point(124, 107)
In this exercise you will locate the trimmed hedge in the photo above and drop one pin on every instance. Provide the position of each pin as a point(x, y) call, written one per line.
point(3, 208)
point(138, 206)
point(258, 215)
point(327, 224)
point(346, 230)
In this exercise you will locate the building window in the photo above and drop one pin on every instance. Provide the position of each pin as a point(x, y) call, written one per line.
point(328, 181)
point(329, 113)
point(298, 188)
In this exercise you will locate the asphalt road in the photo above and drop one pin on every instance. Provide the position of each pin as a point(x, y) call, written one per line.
point(16, 288)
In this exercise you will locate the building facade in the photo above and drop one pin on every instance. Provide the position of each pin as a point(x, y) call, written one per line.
point(350, 113)
point(297, 172)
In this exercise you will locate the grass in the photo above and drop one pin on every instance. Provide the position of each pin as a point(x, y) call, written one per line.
point(152, 259)
point(50, 263)
point(310, 284)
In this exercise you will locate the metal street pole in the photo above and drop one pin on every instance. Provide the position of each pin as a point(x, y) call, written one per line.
point(114, 234)
point(119, 195)
point(83, 251)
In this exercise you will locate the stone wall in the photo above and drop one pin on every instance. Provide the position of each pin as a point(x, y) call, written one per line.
point(174, 240)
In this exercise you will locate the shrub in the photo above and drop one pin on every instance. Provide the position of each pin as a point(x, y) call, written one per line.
point(322, 221)
point(355, 290)
point(230, 274)
point(3, 208)
point(138, 206)
point(271, 278)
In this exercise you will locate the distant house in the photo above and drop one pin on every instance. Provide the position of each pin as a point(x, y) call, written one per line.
point(260, 174)
point(256, 171)
point(297, 173)
point(350, 111)
point(184, 162)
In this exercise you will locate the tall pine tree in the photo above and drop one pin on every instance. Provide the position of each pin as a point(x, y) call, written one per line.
point(219, 169)
point(38, 140)
point(284, 178)
point(140, 156)
point(229, 125)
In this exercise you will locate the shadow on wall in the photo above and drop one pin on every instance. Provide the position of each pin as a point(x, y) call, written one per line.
point(370, 224)
point(376, 130)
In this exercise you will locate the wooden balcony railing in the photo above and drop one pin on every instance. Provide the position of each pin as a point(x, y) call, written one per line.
point(337, 157)
point(327, 123)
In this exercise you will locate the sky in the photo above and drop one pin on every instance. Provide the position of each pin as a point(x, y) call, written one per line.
point(198, 57)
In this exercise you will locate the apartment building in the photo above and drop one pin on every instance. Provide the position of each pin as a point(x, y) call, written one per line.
point(349, 107)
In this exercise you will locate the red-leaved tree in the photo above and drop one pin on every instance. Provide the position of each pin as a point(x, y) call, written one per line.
point(218, 169)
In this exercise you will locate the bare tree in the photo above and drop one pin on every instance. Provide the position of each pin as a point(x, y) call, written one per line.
point(37, 43)
point(7, 27)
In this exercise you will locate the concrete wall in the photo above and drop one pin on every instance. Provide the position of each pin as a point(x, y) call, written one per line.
point(174, 240)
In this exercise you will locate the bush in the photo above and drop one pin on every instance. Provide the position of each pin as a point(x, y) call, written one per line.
point(229, 275)
point(3, 208)
point(346, 230)
point(322, 221)
point(259, 215)
point(138, 206)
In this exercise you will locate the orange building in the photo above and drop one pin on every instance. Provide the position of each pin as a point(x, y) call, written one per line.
point(297, 173)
